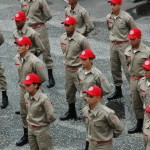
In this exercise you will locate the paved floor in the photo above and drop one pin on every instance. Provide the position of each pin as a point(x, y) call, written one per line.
point(68, 135)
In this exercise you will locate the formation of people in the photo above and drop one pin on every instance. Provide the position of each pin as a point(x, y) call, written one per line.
point(127, 51)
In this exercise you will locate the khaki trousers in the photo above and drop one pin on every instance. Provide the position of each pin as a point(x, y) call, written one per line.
point(117, 59)
point(39, 138)
point(136, 99)
point(72, 85)
point(45, 41)
point(95, 146)
point(3, 84)
point(23, 108)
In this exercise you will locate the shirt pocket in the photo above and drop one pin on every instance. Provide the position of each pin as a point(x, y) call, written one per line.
point(36, 110)
point(100, 126)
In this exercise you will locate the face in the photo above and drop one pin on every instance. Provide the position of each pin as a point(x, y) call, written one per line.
point(72, 2)
point(20, 24)
point(135, 42)
point(92, 100)
point(86, 62)
point(31, 88)
point(69, 29)
point(22, 49)
point(147, 73)
point(115, 8)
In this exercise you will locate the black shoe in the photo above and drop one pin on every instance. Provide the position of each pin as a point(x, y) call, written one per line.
point(71, 114)
point(87, 145)
point(68, 115)
point(137, 128)
point(17, 112)
point(51, 82)
point(24, 139)
point(117, 94)
point(4, 101)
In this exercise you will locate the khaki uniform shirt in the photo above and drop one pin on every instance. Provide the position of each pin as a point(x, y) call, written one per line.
point(84, 24)
point(40, 110)
point(29, 64)
point(91, 78)
point(1, 38)
point(37, 46)
point(119, 27)
point(103, 124)
point(144, 90)
point(72, 47)
point(135, 60)
point(37, 11)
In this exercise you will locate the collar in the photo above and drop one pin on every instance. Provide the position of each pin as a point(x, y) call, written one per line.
point(37, 95)
point(24, 29)
point(26, 56)
point(96, 109)
point(140, 49)
point(74, 36)
point(90, 71)
point(76, 9)
point(119, 16)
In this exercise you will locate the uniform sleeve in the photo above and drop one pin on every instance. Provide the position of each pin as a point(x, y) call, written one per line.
point(85, 44)
point(1, 39)
point(116, 124)
point(41, 71)
point(49, 111)
point(88, 22)
point(131, 23)
point(104, 84)
point(46, 11)
point(38, 44)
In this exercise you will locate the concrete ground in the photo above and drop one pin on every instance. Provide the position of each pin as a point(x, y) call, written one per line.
point(68, 135)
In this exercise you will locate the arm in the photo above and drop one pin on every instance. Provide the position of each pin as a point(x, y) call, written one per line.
point(88, 22)
point(46, 11)
point(116, 124)
point(40, 71)
point(49, 111)
point(131, 23)
point(39, 46)
point(104, 84)
point(85, 44)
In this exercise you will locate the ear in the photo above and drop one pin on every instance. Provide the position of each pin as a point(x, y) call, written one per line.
point(28, 47)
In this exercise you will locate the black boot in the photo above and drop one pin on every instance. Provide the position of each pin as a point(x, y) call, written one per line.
point(51, 81)
point(4, 99)
point(116, 94)
point(137, 128)
point(24, 139)
point(87, 145)
point(17, 112)
point(71, 114)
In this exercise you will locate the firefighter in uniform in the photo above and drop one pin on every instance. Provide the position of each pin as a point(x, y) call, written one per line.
point(103, 124)
point(38, 13)
point(72, 44)
point(84, 23)
point(119, 24)
point(136, 54)
point(40, 114)
point(26, 63)
point(89, 76)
